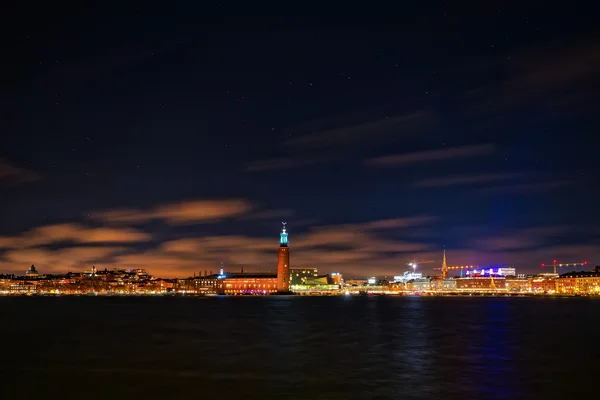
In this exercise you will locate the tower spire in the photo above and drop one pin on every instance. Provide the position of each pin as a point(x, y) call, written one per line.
point(283, 262)
point(283, 236)
point(444, 266)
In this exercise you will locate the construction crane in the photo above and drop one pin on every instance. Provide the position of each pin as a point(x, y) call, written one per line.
point(556, 265)
point(460, 267)
point(445, 267)
point(415, 263)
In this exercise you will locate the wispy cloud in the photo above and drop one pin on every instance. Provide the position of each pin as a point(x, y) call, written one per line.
point(358, 133)
point(456, 180)
point(522, 239)
point(10, 174)
point(285, 163)
point(554, 75)
point(178, 213)
point(527, 188)
point(431, 155)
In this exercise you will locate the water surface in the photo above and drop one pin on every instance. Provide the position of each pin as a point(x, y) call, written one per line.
point(299, 347)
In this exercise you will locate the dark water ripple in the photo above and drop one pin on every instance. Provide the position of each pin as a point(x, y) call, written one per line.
point(299, 348)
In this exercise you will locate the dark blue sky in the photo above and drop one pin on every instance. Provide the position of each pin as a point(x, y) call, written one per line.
point(178, 141)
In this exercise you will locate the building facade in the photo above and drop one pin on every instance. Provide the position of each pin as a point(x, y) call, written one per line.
point(480, 284)
point(299, 276)
point(579, 283)
point(248, 285)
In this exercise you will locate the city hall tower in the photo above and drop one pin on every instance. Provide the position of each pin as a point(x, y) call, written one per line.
point(283, 262)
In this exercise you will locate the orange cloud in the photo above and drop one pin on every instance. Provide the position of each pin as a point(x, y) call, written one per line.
point(74, 233)
point(188, 255)
point(358, 133)
point(180, 213)
point(407, 222)
point(269, 214)
point(57, 261)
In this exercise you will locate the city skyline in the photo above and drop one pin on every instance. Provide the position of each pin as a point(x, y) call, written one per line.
point(178, 145)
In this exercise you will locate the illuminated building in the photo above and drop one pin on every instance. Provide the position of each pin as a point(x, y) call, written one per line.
point(23, 287)
point(248, 284)
point(443, 285)
point(480, 283)
point(298, 276)
point(336, 278)
point(206, 284)
point(317, 280)
point(507, 271)
point(492, 271)
point(259, 283)
point(544, 284)
point(587, 282)
point(419, 285)
point(408, 276)
point(317, 289)
point(518, 285)
point(198, 285)
point(31, 272)
point(355, 282)
point(283, 263)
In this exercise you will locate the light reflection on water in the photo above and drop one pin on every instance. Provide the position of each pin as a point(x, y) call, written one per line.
point(300, 347)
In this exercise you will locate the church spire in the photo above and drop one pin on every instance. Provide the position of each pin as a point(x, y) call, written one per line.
point(444, 266)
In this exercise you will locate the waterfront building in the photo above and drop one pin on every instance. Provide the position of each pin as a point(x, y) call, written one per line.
point(5, 283)
point(298, 276)
point(206, 284)
point(544, 284)
point(518, 285)
point(317, 280)
point(419, 285)
point(23, 287)
point(584, 282)
point(443, 285)
point(408, 276)
point(323, 284)
point(493, 271)
point(481, 284)
point(198, 285)
point(337, 278)
point(319, 288)
point(355, 282)
point(259, 283)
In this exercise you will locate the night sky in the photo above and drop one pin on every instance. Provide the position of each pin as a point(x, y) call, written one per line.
point(176, 142)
